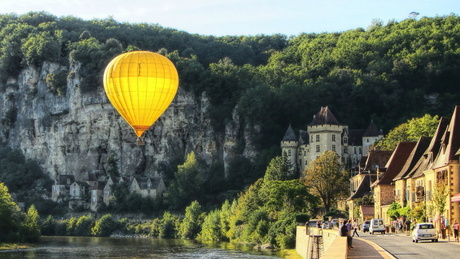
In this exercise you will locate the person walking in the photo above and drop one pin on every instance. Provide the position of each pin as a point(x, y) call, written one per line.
point(355, 228)
point(349, 237)
point(456, 227)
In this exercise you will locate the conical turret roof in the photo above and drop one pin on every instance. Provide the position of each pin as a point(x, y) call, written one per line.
point(290, 135)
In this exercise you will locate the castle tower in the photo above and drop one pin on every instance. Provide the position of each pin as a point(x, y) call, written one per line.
point(325, 133)
point(289, 146)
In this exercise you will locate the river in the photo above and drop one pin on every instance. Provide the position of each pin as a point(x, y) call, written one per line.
point(99, 247)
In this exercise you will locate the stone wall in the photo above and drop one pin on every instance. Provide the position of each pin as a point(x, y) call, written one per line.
point(329, 239)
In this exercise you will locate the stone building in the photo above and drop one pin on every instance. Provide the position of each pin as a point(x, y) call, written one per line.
point(383, 188)
point(325, 133)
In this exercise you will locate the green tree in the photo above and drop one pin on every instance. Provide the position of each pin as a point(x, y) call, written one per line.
point(190, 226)
point(169, 225)
point(410, 131)
point(9, 216)
point(393, 210)
point(48, 227)
point(104, 226)
point(84, 225)
point(439, 196)
point(278, 169)
point(187, 183)
point(326, 178)
point(70, 226)
point(211, 229)
point(30, 227)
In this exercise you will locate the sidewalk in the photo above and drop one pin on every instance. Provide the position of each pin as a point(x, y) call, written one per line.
point(366, 249)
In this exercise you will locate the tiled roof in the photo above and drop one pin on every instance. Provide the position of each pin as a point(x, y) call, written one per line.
point(372, 131)
point(397, 161)
point(450, 141)
point(376, 158)
point(290, 135)
point(324, 116)
point(364, 187)
point(355, 137)
point(412, 161)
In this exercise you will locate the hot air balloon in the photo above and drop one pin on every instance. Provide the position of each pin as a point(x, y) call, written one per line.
point(140, 85)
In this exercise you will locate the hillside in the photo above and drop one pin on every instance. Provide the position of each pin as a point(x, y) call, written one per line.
point(237, 94)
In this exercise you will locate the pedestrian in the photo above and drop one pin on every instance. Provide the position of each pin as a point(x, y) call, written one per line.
point(407, 223)
point(355, 228)
point(349, 237)
point(456, 227)
point(344, 231)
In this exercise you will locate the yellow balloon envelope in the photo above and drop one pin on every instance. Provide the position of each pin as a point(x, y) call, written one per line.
point(140, 85)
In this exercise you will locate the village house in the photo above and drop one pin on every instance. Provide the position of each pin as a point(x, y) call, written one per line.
point(61, 188)
point(96, 195)
point(79, 194)
point(151, 187)
point(91, 194)
point(360, 183)
point(417, 172)
point(383, 188)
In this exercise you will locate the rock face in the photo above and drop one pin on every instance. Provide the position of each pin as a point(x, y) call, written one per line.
point(75, 133)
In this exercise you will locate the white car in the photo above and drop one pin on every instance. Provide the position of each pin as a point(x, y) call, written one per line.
point(424, 231)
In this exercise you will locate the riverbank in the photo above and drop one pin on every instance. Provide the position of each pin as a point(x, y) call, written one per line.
point(8, 246)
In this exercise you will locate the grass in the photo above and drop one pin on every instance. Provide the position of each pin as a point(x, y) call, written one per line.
point(291, 254)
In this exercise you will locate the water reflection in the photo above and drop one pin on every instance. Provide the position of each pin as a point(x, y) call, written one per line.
point(96, 247)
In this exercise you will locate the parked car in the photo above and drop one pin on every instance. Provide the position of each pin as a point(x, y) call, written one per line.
point(327, 225)
point(366, 225)
point(377, 225)
point(314, 223)
point(335, 222)
point(424, 231)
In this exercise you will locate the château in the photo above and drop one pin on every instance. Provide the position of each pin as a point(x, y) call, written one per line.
point(324, 133)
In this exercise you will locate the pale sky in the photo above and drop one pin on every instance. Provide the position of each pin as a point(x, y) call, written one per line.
point(241, 17)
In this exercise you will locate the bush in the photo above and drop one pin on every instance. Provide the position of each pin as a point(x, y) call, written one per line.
point(84, 225)
point(104, 226)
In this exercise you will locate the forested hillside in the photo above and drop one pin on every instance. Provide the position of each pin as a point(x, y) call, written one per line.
point(386, 72)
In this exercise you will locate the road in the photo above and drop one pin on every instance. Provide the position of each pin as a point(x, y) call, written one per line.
point(401, 246)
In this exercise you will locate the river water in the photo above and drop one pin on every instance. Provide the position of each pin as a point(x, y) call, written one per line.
point(98, 247)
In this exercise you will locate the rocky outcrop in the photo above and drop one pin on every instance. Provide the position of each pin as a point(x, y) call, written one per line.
point(75, 133)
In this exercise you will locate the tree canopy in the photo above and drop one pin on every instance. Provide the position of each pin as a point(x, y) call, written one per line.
point(326, 178)
point(410, 131)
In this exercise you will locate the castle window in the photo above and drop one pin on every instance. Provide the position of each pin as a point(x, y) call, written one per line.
point(311, 138)
point(317, 138)
point(354, 150)
point(333, 148)
point(317, 148)
point(345, 150)
point(367, 140)
point(289, 152)
point(345, 140)
point(333, 137)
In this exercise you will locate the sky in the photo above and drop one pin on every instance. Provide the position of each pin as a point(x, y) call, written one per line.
point(241, 17)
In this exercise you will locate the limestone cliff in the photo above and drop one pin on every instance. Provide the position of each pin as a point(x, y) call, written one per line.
point(74, 133)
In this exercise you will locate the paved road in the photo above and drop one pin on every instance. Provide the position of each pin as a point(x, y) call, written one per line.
point(401, 246)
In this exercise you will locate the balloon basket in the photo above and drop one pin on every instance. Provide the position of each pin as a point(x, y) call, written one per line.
point(140, 141)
